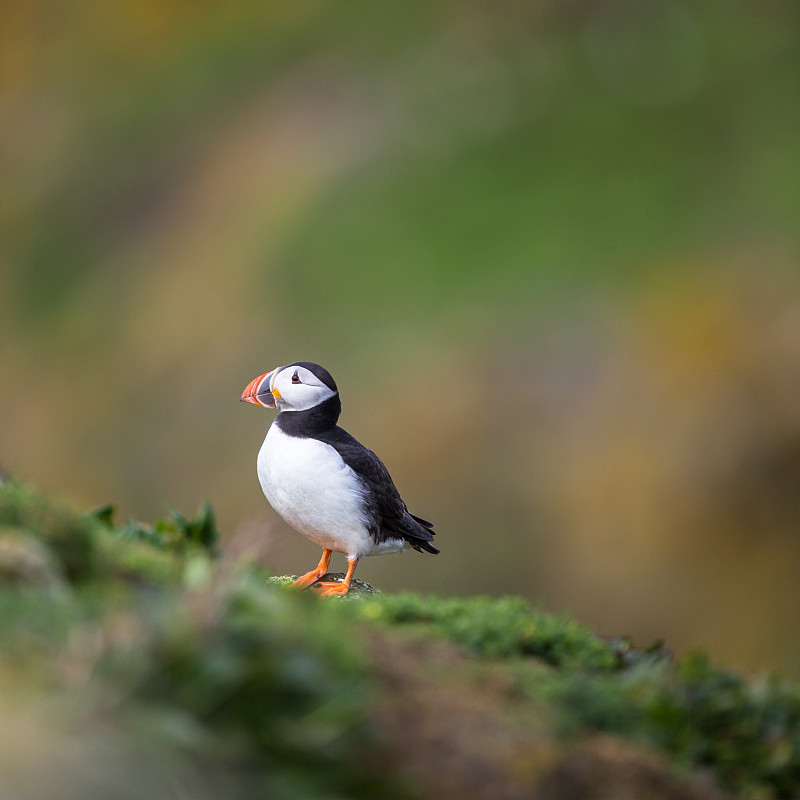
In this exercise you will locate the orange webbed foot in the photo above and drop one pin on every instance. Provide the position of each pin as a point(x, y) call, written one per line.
point(304, 581)
point(334, 588)
point(331, 588)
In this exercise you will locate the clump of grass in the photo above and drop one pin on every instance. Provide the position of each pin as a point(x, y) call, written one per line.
point(174, 532)
point(87, 549)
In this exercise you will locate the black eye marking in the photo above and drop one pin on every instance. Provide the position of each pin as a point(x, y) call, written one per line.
point(295, 377)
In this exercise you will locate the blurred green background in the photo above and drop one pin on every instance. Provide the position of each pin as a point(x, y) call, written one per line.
point(548, 250)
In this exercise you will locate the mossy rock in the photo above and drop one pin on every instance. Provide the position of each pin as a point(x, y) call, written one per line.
point(357, 587)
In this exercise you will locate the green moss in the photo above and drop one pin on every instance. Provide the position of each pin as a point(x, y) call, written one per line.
point(749, 731)
point(271, 692)
point(496, 628)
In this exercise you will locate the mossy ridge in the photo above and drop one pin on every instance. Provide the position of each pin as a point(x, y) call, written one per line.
point(496, 628)
point(747, 731)
point(285, 693)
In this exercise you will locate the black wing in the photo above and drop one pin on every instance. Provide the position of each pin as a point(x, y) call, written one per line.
point(387, 513)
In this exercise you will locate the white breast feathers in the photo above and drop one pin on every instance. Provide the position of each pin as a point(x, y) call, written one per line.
point(309, 485)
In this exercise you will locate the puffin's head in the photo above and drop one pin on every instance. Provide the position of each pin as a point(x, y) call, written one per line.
point(295, 387)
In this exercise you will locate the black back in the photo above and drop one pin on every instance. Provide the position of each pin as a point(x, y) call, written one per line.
point(386, 512)
point(387, 515)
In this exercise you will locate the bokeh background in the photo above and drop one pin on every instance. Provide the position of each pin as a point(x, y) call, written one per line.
point(549, 250)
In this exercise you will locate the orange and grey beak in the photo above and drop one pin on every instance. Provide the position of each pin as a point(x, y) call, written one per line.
point(258, 392)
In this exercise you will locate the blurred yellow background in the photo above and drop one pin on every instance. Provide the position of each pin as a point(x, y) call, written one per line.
point(548, 250)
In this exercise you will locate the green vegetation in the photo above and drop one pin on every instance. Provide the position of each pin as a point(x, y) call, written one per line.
point(145, 637)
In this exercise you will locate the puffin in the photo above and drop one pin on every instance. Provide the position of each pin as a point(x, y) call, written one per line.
point(323, 482)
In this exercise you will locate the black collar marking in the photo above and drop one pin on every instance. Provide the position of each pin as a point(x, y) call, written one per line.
point(312, 421)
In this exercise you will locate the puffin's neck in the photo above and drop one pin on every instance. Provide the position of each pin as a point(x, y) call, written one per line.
point(311, 422)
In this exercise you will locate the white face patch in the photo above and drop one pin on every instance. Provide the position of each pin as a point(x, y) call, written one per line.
point(298, 389)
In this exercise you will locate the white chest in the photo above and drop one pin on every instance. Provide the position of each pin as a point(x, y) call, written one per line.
point(310, 486)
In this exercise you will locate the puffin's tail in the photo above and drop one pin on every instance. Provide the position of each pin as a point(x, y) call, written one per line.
point(420, 533)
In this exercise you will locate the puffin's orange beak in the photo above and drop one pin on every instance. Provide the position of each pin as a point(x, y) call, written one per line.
point(258, 392)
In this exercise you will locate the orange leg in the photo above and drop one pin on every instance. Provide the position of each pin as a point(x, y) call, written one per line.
point(327, 588)
point(304, 581)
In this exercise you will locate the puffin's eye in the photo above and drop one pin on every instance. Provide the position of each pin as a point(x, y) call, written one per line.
point(295, 377)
